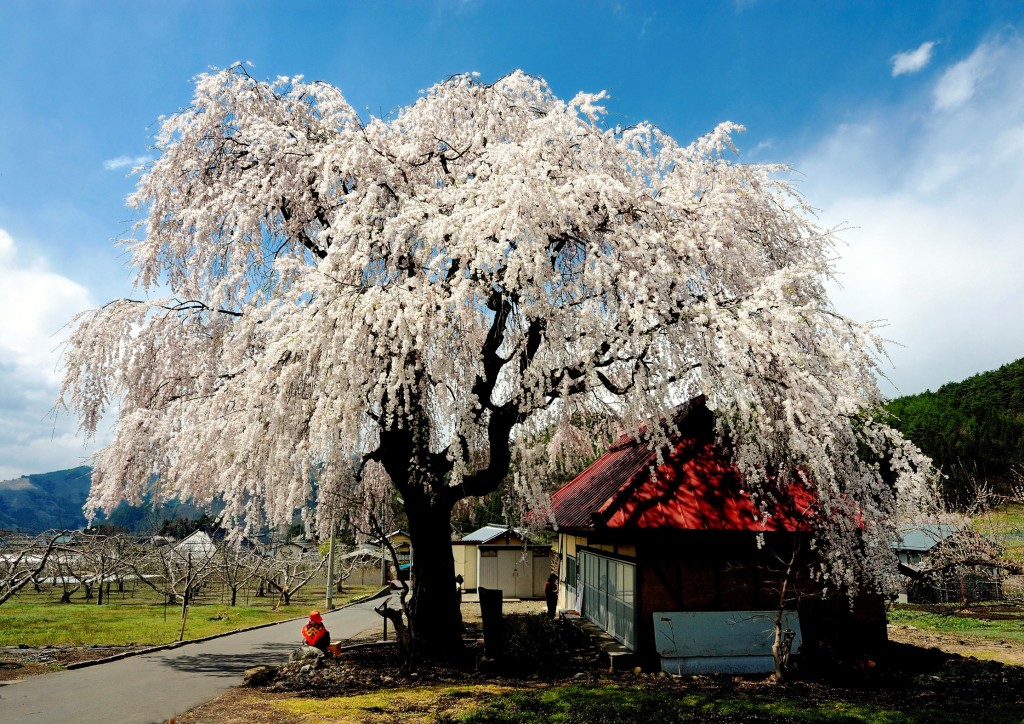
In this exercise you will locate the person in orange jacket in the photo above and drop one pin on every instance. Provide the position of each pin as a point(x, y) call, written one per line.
point(315, 633)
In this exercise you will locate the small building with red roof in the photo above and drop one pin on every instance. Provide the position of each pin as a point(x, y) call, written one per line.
point(676, 560)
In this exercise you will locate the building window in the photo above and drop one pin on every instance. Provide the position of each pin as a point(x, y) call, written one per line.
point(609, 595)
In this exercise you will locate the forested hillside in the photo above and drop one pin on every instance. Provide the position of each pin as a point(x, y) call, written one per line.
point(970, 428)
point(34, 503)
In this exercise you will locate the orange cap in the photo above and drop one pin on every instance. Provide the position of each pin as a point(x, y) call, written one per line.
point(315, 617)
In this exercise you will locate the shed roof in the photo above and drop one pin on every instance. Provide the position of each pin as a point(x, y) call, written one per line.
point(696, 487)
point(924, 537)
point(488, 533)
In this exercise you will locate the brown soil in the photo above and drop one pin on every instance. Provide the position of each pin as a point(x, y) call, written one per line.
point(1008, 652)
point(17, 662)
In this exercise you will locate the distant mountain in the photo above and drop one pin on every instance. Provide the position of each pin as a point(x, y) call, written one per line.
point(973, 428)
point(34, 503)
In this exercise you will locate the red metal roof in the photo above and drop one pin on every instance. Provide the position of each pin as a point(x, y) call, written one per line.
point(695, 488)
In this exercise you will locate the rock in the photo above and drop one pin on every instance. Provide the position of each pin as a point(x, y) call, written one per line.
point(306, 653)
point(306, 669)
point(259, 675)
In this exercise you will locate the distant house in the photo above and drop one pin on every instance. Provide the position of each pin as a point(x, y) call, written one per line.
point(288, 550)
point(361, 566)
point(943, 563)
point(501, 557)
point(401, 542)
point(915, 542)
point(672, 567)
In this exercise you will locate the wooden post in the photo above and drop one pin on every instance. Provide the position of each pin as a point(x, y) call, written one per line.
point(493, 624)
point(330, 571)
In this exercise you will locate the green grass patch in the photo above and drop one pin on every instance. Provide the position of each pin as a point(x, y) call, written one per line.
point(613, 704)
point(39, 619)
point(1005, 525)
point(415, 704)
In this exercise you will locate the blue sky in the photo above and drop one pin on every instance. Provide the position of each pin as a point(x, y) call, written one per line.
point(905, 121)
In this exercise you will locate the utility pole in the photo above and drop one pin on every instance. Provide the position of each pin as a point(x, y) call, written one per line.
point(383, 561)
point(330, 570)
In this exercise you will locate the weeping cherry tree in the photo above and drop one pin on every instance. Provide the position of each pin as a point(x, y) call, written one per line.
point(477, 287)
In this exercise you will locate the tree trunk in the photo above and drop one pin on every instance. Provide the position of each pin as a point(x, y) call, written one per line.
point(784, 637)
point(436, 620)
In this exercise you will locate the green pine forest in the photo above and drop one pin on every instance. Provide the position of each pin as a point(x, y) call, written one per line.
point(973, 430)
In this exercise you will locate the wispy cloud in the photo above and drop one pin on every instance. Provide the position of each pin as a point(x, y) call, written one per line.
point(648, 19)
point(912, 61)
point(112, 164)
point(960, 82)
point(932, 187)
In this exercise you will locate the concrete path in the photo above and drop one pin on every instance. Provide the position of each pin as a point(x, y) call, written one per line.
point(157, 686)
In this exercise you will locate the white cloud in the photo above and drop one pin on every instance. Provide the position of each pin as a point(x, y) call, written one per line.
point(112, 164)
point(934, 189)
point(912, 61)
point(37, 303)
point(960, 82)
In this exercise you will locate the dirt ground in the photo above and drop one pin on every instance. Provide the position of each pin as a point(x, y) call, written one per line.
point(1008, 652)
point(19, 662)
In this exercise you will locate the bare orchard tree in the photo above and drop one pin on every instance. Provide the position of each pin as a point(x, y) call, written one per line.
point(237, 566)
point(98, 560)
point(440, 291)
point(177, 571)
point(63, 570)
point(22, 561)
point(287, 574)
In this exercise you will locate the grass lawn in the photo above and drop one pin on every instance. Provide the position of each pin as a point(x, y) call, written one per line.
point(38, 619)
point(639, 704)
point(1005, 524)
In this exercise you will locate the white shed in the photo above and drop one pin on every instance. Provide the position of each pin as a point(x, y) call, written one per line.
point(497, 556)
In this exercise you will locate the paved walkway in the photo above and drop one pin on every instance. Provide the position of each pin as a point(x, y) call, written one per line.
point(155, 687)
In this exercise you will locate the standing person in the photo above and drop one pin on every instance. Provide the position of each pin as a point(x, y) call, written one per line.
point(551, 594)
point(315, 633)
